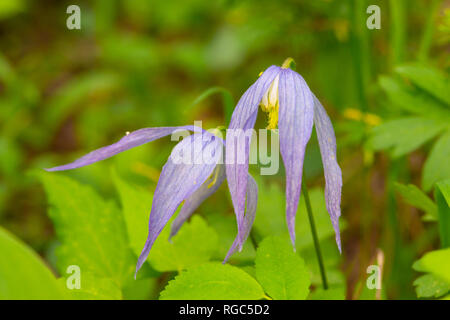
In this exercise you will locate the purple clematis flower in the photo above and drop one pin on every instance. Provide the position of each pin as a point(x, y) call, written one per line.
point(291, 105)
point(193, 172)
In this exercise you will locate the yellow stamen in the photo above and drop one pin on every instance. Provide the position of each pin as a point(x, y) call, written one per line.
point(216, 175)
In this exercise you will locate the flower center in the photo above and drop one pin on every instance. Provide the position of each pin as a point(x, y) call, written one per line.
point(270, 102)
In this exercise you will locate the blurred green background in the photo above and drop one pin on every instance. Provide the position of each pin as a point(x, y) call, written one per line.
point(138, 63)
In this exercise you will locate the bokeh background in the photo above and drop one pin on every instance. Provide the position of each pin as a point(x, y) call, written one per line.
point(139, 63)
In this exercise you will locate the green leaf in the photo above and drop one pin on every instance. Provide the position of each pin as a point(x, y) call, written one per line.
point(441, 194)
point(213, 281)
point(271, 218)
point(435, 262)
point(428, 79)
point(136, 204)
point(93, 288)
point(193, 245)
point(23, 275)
point(226, 228)
point(444, 186)
point(329, 294)
point(91, 230)
point(418, 102)
point(417, 198)
point(404, 135)
point(436, 166)
point(281, 271)
point(429, 286)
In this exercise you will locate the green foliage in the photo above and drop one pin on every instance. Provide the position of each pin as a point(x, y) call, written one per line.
point(430, 286)
point(404, 135)
point(436, 167)
point(281, 272)
point(90, 229)
point(442, 196)
point(417, 198)
point(93, 288)
point(213, 281)
point(23, 275)
point(136, 203)
point(436, 281)
point(193, 245)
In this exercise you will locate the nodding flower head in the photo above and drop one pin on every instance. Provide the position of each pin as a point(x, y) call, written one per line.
point(193, 172)
point(290, 104)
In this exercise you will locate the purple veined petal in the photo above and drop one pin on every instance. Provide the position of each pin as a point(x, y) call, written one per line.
point(131, 140)
point(332, 171)
point(178, 181)
point(252, 200)
point(295, 126)
point(237, 145)
point(196, 199)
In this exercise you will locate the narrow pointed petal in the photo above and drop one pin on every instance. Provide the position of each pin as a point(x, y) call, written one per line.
point(332, 171)
point(238, 145)
point(178, 181)
point(295, 126)
point(196, 199)
point(131, 140)
point(252, 200)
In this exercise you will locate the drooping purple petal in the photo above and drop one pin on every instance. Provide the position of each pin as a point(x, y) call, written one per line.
point(238, 141)
point(332, 171)
point(179, 180)
point(131, 140)
point(252, 200)
point(196, 199)
point(295, 126)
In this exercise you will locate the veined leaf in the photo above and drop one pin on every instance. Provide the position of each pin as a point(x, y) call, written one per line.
point(417, 198)
point(414, 101)
point(281, 271)
point(428, 79)
point(404, 135)
point(437, 166)
point(23, 275)
point(91, 230)
point(213, 281)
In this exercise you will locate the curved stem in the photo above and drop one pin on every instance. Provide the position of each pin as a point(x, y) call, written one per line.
point(315, 238)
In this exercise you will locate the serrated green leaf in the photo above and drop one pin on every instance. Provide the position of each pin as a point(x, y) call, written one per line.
point(428, 79)
point(404, 135)
point(437, 166)
point(429, 286)
point(417, 102)
point(417, 198)
point(281, 271)
point(91, 230)
point(23, 275)
point(213, 281)
point(193, 245)
point(136, 204)
point(435, 262)
point(442, 190)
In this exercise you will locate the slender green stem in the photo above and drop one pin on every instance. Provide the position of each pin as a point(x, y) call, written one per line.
point(427, 35)
point(315, 238)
